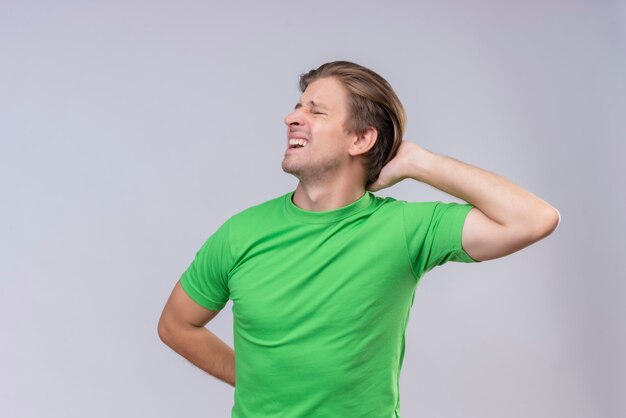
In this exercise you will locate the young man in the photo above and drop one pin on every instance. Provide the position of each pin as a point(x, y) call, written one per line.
point(322, 279)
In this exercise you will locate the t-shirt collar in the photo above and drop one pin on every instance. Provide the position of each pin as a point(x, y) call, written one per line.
point(309, 216)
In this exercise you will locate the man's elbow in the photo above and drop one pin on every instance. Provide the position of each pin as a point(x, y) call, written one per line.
point(547, 223)
point(165, 331)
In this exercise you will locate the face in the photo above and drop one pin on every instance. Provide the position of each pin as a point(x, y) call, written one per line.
point(318, 121)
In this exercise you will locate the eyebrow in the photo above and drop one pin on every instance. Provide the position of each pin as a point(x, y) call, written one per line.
point(312, 103)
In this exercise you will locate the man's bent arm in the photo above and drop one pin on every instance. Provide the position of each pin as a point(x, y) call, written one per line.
point(506, 217)
point(181, 327)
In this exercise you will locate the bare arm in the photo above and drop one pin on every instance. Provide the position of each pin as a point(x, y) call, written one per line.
point(181, 327)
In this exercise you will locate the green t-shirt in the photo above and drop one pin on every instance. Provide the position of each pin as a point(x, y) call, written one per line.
point(321, 300)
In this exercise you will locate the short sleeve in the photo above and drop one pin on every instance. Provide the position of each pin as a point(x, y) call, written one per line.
point(206, 278)
point(433, 234)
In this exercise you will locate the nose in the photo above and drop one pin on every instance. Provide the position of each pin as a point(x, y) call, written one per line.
point(294, 118)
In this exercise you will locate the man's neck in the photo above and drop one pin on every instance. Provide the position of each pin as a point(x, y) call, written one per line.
point(321, 198)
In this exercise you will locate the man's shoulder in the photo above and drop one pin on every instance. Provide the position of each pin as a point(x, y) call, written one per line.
point(260, 211)
point(423, 204)
point(418, 210)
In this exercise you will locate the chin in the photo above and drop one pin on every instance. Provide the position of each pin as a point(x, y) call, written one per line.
point(287, 168)
point(292, 169)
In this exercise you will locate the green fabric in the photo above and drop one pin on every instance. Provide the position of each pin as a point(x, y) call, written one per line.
point(321, 300)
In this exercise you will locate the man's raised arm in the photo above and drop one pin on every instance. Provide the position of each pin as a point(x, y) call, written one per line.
point(506, 217)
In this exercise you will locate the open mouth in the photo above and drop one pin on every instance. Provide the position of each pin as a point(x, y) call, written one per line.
point(297, 143)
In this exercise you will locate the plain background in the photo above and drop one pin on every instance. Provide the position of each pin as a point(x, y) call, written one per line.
point(130, 130)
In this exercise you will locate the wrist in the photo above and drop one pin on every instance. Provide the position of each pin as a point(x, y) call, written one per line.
point(420, 164)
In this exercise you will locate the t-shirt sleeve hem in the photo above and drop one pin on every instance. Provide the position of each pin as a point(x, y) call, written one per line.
point(458, 223)
point(198, 297)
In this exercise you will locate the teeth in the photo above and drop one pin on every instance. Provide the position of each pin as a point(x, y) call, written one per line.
point(296, 141)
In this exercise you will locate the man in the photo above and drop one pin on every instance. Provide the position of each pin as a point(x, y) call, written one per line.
point(322, 279)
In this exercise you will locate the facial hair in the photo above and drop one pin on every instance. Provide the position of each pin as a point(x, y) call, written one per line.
point(309, 172)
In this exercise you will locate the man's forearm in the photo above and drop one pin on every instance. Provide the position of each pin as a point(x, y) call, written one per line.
point(205, 350)
point(498, 198)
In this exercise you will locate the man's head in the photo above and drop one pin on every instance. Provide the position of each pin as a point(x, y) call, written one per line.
point(362, 116)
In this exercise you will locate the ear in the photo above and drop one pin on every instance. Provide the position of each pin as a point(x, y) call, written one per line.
point(363, 142)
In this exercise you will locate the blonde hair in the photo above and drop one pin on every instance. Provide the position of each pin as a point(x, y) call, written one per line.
point(372, 102)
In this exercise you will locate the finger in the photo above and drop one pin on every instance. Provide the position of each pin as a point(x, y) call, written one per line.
point(375, 186)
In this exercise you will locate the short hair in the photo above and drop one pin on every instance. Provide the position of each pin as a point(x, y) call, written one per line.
point(372, 102)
